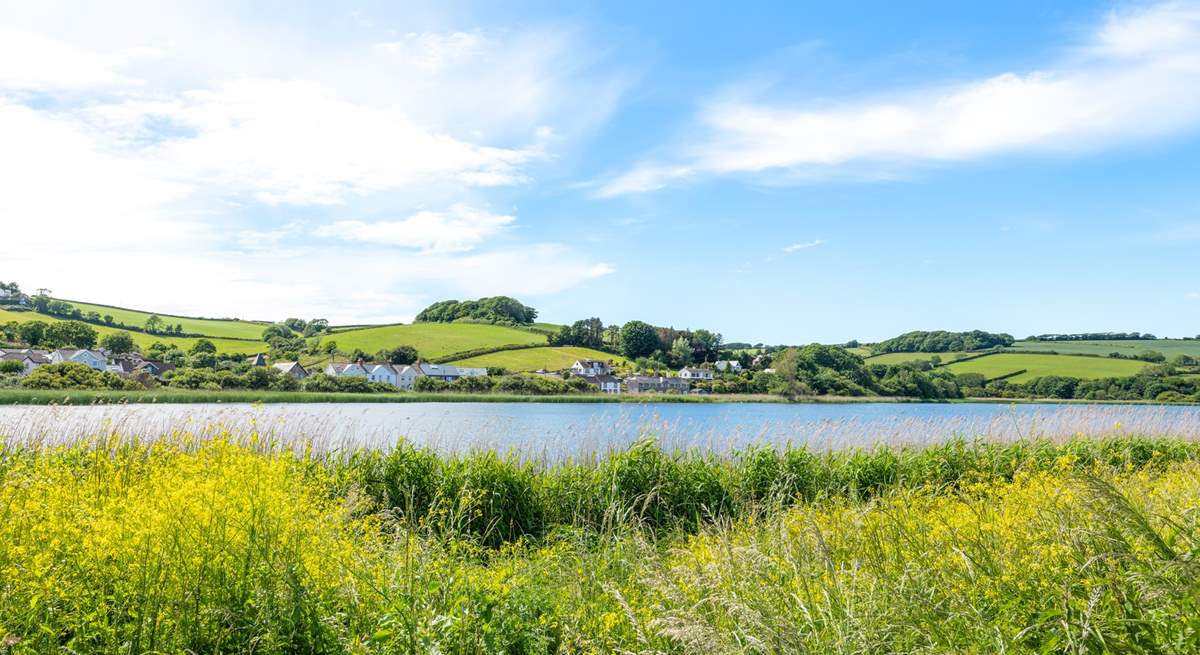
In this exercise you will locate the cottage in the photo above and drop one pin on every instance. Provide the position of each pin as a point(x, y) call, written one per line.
point(590, 368)
point(656, 384)
point(605, 383)
point(385, 373)
point(153, 367)
point(293, 369)
point(406, 376)
point(92, 358)
point(695, 374)
point(351, 370)
point(30, 359)
point(257, 360)
point(728, 365)
point(449, 372)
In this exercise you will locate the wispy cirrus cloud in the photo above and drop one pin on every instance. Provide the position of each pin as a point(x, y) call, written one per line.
point(458, 229)
point(803, 245)
point(1134, 78)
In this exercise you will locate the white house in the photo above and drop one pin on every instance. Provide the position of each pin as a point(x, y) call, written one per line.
point(293, 369)
point(590, 368)
point(91, 358)
point(449, 372)
point(352, 370)
point(731, 365)
point(385, 373)
point(695, 374)
point(606, 383)
point(406, 376)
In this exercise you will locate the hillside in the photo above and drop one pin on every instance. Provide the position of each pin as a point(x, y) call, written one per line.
point(235, 329)
point(1129, 348)
point(142, 339)
point(432, 340)
point(532, 359)
point(900, 358)
point(1036, 366)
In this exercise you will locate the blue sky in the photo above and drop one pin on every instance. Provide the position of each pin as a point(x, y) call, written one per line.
point(777, 172)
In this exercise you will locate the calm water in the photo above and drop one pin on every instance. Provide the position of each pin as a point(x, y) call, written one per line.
point(566, 428)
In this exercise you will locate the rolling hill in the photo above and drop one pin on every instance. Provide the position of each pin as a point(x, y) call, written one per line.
point(228, 328)
point(1129, 348)
point(550, 358)
point(433, 340)
point(142, 339)
point(1036, 366)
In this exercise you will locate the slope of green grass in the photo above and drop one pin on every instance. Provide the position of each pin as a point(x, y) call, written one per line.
point(1036, 366)
point(433, 339)
point(532, 359)
point(209, 327)
point(1168, 347)
point(141, 339)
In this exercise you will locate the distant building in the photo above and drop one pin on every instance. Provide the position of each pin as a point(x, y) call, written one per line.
point(695, 374)
point(590, 368)
point(31, 359)
point(257, 360)
point(605, 383)
point(656, 384)
point(92, 358)
point(449, 372)
point(293, 369)
point(730, 365)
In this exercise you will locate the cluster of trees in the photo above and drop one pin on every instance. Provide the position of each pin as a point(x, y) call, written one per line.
point(532, 385)
point(1152, 356)
point(501, 310)
point(313, 328)
point(1159, 383)
point(1094, 336)
point(50, 335)
point(667, 346)
point(10, 293)
point(588, 333)
point(73, 375)
point(941, 341)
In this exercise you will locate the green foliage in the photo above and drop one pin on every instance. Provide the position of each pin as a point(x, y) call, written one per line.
point(638, 339)
point(496, 309)
point(118, 343)
point(11, 366)
point(398, 355)
point(941, 341)
point(73, 375)
point(74, 334)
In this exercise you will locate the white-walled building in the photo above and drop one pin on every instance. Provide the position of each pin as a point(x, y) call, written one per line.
point(590, 368)
point(695, 374)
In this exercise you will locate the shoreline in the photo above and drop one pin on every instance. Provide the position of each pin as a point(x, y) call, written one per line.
point(45, 397)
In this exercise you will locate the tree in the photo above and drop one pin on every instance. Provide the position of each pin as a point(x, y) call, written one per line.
point(203, 346)
point(108, 319)
point(118, 343)
point(33, 333)
point(315, 327)
point(40, 303)
point(11, 366)
point(329, 347)
point(295, 324)
point(154, 324)
point(71, 333)
point(398, 355)
point(638, 339)
point(681, 351)
point(278, 330)
point(705, 345)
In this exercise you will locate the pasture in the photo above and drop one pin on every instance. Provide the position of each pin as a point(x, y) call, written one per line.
point(236, 329)
point(1036, 366)
point(432, 340)
point(532, 359)
point(900, 358)
point(142, 339)
point(1168, 347)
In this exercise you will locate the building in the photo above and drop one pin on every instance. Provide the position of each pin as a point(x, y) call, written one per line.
point(605, 383)
point(257, 360)
point(401, 376)
point(728, 365)
point(31, 359)
point(590, 368)
point(449, 372)
point(293, 369)
point(695, 374)
point(153, 367)
point(351, 370)
point(656, 384)
point(92, 358)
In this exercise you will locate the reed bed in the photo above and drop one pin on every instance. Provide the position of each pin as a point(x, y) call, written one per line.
point(242, 542)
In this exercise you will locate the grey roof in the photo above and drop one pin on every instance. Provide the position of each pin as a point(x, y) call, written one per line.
point(287, 367)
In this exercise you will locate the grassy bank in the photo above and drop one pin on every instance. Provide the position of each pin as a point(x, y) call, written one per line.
point(234, 545)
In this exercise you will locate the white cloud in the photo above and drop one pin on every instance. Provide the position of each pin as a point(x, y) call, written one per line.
point(802, 246)
point(458, 229)
point(1137, 77)
point(32, 62)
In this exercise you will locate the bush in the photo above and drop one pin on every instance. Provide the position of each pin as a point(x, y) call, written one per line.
point(73, 375)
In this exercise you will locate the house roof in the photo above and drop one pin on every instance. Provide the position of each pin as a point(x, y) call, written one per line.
point(288, 367)
point(590, 363)
point(35, 356)
point(692, 370)
point(601, 379)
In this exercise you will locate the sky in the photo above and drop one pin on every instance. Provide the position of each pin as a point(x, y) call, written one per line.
point(776, 172)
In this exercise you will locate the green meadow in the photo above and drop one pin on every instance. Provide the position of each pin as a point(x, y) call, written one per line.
point(1168, 347)
point(1036, 366)
point(231, 328)
point(551, 358)
point(900, 358)
point(142, 339)
point(433, 340)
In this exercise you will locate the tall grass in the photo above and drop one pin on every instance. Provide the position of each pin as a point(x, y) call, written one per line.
point(236, 543)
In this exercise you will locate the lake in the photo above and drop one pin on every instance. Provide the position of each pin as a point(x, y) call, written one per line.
point(557, 429)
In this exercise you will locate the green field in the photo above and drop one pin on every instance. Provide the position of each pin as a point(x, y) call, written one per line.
point(1168, 347)
point(433, 340)
point(1036, 366)
point(142, 339)
point(532, 359)
point(235, 329)
point(900, 358)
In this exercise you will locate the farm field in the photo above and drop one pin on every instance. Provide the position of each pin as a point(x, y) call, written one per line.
point(1035, 366)
point(1168, 347)
point(532, 359)
point(142, 339)
point(235, 329)
point(432, 339)
point(899, 358)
